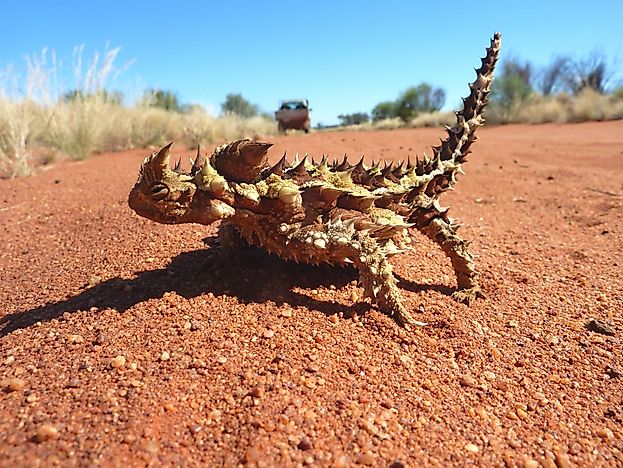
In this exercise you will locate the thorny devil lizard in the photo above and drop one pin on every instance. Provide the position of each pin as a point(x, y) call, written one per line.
point(317, 212)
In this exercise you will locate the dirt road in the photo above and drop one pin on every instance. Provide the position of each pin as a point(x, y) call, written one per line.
point(119, 344)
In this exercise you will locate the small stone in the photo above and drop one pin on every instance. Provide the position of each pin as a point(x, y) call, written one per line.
point(257, 391)
point(269, 333)
point(94, 280)
point(334, 318)
point(75, 339)
point(496, 353)
point(151, 447)
point(554, 340)
point(599, 326)
point(165, 356)
point(562, 460)
point(135, 383)
point(221, 359)
point(101, 339)
point(287, 313)
point(605, 433)
point(194, 428)
point(9, 360)
point(575, 448)
point(531, 463)
point(613, 372)
point(15, 385)
point(73, 383)
point(46, 432)
point(117, 362)
point(366, 459)
point(305, 444)
point(512, 415)
point(521, 413)
point(473, 448)
point(468, 381)
point(187, 325)
point(513, 323)
point(354, 297)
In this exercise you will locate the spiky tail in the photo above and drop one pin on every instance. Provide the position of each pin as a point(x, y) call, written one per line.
point(453, 151)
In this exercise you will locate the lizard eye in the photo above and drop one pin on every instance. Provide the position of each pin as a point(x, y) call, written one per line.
point(158, 192)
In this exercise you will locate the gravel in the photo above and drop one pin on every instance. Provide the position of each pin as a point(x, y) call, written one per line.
point(282, 365)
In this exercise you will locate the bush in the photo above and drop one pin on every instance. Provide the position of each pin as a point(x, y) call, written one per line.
point(237, 105)
point(413, 101)
point(383, 110)
point(356, 118)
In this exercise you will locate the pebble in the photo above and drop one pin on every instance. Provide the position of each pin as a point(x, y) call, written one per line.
point(269, 333)
point(165, 356)
point(471, 448)
point(151, 447)
point(512, 415)
point(286, 313)
point(366, 459)
point(15, 385)
point(258, 391)
point(468, 381)
point(605, 433)
point(531, 463)
point(305, 444)
point(46, 432)
point(222, 360)
point(599, 326)
point(9, 360)
point(562, 460)
point(118, 362)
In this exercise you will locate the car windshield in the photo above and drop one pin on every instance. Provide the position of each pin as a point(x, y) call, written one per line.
point(293, 105)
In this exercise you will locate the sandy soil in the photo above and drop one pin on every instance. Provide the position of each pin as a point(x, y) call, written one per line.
point(119, 344)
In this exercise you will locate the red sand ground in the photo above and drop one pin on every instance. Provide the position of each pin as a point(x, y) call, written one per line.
point(271, 365)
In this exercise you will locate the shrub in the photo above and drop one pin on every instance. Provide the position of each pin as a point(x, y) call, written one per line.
point(237, 105)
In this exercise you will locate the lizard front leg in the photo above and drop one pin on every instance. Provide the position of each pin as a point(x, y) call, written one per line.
point(339, 242)
point(228, 247)
point(446, 236)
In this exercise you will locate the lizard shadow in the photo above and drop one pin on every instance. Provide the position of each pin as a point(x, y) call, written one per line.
point(255, 277)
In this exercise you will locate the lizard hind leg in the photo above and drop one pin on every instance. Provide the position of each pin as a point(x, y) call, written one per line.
point(341, 243)
point(444, 233)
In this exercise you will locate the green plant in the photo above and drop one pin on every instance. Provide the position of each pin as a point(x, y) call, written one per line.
point(163, 99)
point(238, 105)
point(417, 99)
point(356, 118)
point(383, 110)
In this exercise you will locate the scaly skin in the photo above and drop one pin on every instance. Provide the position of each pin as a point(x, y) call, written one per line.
point(319, 213)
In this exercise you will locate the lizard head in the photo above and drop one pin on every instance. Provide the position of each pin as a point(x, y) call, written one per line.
point(170, 196)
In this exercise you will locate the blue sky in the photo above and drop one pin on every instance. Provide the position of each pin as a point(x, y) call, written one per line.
point(343, 56)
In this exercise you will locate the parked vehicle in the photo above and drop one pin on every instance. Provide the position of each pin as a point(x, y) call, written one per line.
point(294, 114)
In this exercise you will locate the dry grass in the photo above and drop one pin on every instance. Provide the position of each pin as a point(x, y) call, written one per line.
point(586, 106)
point(35, 116)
